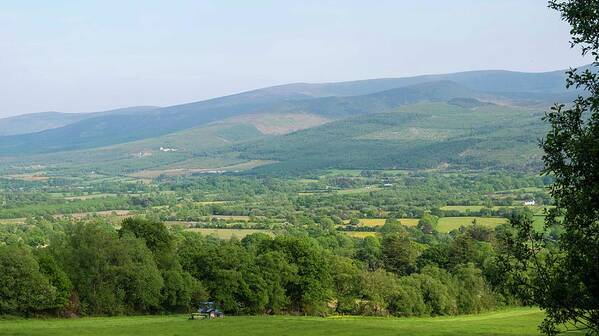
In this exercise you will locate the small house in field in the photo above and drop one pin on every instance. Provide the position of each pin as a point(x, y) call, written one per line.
point(166, 149)
point(530, 202)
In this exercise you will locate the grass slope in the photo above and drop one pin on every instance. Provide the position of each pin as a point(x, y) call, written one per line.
point(518, 321)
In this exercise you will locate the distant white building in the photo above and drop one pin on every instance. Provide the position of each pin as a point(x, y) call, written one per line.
point(166, 149)
point(530, 202)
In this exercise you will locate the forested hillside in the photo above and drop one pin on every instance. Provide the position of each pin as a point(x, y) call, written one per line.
point(332, 100)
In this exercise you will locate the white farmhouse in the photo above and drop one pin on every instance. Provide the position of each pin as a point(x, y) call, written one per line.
point(166, 149)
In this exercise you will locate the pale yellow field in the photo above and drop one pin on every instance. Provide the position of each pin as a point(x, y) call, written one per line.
point(237, 218)
point(229, 233)
point(39, 176)
point(371, 222)
point(462, 207)
point(107, 213)
point(409, 221)
point(210, 202)
point(188, 171)
point(12, 221)
point(90, 196)
point(358, 190)
point(360, 234)
point(539, 209)
point(446, 224)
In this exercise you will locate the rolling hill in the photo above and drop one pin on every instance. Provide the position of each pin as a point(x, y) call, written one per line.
point(478, 119)
point(37, 122)
point(461, 132)
point(328, 99)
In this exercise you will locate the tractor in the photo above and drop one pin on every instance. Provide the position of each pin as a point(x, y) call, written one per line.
point(208, 310)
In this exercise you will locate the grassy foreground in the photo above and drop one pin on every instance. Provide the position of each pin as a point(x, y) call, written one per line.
point(517, 321)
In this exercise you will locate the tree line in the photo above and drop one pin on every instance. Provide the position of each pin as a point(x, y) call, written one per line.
point(90, 268)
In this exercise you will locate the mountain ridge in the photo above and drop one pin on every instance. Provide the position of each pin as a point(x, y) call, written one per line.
point(351, 98)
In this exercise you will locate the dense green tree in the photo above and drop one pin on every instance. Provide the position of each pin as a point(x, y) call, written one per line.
point(391, 226)
point(407, 300)
point(179, 286)
point(463, 249)
point(561, 273)
point(278, 274)
point(346, 283)
point(398, 253)
point(376, 290)
point(437, 254)
point(369, 251)
point(51, 269)
point(439, 290)
point(312, 287)
point(23, 288)
point(154, 233)
point(428, 223)
point(110, 275)
point(474, 295)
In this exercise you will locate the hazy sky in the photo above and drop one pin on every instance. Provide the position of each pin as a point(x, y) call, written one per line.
point(79, 56)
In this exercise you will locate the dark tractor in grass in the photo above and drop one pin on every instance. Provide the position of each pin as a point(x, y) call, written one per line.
point(208, 310)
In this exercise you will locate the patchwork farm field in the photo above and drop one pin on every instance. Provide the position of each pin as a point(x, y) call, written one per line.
point(361, 234)
point(517, 321)
point(228, 233)
point(447, 224)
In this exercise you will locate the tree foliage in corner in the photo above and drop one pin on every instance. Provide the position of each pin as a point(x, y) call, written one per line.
point(560, 273)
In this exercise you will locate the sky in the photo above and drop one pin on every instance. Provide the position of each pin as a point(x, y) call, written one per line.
point(84, 56)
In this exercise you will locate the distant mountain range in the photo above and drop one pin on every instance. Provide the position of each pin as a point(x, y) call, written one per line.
point(37, 122)
point(295, 107)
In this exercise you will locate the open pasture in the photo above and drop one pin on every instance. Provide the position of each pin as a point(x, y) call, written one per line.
point(447, 224)
point(361, 234)
point(518, 321)
point(228, 233)
point(358, 190)
point(13, 221)
point(373, 222)
point(232, 217)
point(462, 208)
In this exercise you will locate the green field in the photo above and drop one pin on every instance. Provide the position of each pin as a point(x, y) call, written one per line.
point(447, 224)
point(518, 321)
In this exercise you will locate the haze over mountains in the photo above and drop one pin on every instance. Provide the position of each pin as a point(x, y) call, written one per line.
point(394, 116)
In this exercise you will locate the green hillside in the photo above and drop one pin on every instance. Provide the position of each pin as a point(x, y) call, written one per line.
point(190, 146)
point(480, 119)
point(416, 136)
point(423, 135)
point(330, 100)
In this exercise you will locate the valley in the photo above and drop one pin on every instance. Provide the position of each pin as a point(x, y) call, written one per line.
point(389, 197)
